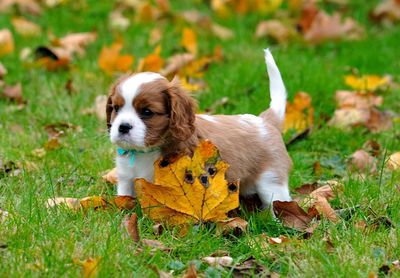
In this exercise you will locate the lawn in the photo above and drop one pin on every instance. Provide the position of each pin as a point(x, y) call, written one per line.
point(38, 241)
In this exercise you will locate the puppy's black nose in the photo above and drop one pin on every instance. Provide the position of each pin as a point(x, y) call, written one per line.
point(124, 128)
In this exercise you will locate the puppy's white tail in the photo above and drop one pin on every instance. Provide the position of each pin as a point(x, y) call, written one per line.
point(276, 86)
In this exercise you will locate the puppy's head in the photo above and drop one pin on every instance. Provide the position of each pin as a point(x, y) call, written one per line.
point(146, 110)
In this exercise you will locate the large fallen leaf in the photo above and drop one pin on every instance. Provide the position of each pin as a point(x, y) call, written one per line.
point(25, 27)
point(93, 202)
point(6, 42)
point(393, 162)
point(299, 114)
point(111, 61)
point(189, 189)
point(367, 82)
point(189, 40)
point(89, 266)
point(292, 215)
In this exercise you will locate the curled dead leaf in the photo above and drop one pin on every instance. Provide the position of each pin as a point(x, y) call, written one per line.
point(131, 225)
point(292, 215)
point(386, 12)
point(235, 226)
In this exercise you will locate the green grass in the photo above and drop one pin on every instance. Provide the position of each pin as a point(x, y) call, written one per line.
point(43, 242)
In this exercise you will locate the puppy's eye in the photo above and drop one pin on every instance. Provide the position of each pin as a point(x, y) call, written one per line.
point(116, 108)
point(147, 113)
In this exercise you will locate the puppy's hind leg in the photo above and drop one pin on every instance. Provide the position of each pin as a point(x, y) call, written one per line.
point(270, 187)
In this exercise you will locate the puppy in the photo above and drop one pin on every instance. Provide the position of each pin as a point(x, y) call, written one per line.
point(149, 117)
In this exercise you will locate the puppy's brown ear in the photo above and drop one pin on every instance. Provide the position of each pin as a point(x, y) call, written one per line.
point(182, 114)
point(109, 107)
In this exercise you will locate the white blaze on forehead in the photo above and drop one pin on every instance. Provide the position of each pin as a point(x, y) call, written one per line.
point(130, 87)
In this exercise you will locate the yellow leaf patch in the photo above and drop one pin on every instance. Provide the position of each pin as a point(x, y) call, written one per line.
point(189, 189)
point(111, 61)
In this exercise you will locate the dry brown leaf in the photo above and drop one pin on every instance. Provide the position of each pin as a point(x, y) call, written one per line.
point(71, 44)
point(251, 267)
point(299, 114)
point(131, 225)
point(176, 62)
point(155, 36)
point(29, 6)
point(273, 28)
point(224, 261)
point(189, 40)
point(158, 229)
point(278, 240)
point(89, 266)
point(13, 93)
point(52, 144)
point(362, 161)
point(307, 188)
point(292, 215)
point(236, 226)
point(387, 12)
point(111, 176)
point(222, 32)
point(191, 272)
point(155, 245)
point(25, 27)
point(111, 61)
point(393, 162)
point(93, 202)
point(326, 27)
point(6, 42)
point(367, 83)
point(123, 202)
point(357, 100)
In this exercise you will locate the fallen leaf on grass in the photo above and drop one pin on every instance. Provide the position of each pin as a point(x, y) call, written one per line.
point(89, 266)
point(191, 272)
point(299, 114)
point(249, 268)
point(6, 42)
point(111, 61)
point(235, 226)
point(393, 162)
point(189, 40)
point(111, 176)
point(118, 21)
point(275, 29)
point(155, 245)
point(292, 215)
point(92, 202)
point(13, 93)
point(362, 161)
point(189, 189)
point(153, 62)
point(224, 261)
point(307, 188)
point(3, 71)
point(318, 26)
point(29, 6)
point(356, 109)
point(387, 12)
point(131, 225)
point(25, 27)
point(368, 83)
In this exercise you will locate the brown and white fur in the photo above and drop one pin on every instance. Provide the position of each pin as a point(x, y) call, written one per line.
point(148, 113)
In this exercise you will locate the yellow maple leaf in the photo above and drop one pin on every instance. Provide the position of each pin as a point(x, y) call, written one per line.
point(367, 82)
point(189, 40)
point(189, 189)
point(299, 114)
point(111, 61)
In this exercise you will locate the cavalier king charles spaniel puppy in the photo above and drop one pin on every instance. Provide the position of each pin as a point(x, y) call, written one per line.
point(149, 116)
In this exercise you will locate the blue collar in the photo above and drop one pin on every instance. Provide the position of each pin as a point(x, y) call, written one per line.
point(132, 153)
